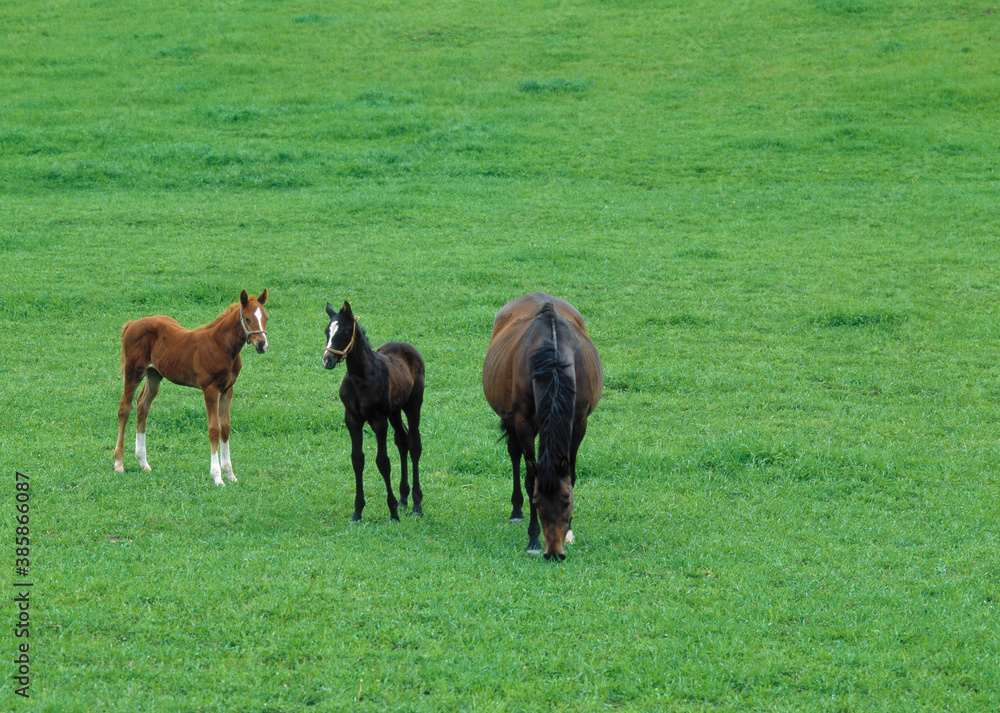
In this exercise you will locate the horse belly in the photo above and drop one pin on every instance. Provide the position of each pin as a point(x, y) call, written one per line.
point(174, 358)
point(400, 387)
point(507, 374)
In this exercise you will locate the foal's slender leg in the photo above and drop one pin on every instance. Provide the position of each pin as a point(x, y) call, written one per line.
point(146, 396)
point(381, 428)
point(133, 377)
point(214, 431)
point(225, 399)
point(400, 438)
point(416, 448)
point(355, 426)
point(526, 438)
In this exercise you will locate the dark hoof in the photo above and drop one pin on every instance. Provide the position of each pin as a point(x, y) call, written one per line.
point(402, 504)
point(555, 557)
point(534, 547)
point(356, 518)
point(517, 518)
point(417, 511)
point(395, 516)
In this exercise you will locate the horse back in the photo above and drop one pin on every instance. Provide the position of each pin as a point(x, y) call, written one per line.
point(521, 312)
point(517, 334)
point(162, 343)
point(140, 336)
point(405, 367)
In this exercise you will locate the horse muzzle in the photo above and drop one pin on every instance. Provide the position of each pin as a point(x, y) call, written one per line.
point(555, 542)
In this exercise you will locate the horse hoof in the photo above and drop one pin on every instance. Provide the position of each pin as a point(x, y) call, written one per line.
point(534, 550)
point(558, 557)
point(516, 518)
point(119, 467)
point(355, 518)
point(570, 538)
point(417, 511)
point(395, 516)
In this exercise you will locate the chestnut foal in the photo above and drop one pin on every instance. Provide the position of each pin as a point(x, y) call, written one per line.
point(157, 348)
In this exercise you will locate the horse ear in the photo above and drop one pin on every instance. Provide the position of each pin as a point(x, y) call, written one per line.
point(244, 299)
point(347, 310)
point(263, 296)
point(330, 310)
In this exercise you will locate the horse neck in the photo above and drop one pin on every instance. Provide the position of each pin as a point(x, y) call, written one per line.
point(362, 360)
point(228, 331)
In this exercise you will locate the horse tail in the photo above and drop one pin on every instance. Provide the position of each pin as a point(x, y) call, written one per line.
point(555, 397)
point(122, 358)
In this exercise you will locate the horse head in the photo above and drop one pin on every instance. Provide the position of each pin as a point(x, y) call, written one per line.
point(253, 319)
point(553, 499)
point(341, 335)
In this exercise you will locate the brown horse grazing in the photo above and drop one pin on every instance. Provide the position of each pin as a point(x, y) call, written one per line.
point(157, 348)
point(543, 376)
point(378, 387)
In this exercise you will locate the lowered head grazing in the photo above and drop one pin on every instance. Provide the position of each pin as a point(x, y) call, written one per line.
point(555, 510)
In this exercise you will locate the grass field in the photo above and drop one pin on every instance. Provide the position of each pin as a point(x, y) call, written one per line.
point(780, 221)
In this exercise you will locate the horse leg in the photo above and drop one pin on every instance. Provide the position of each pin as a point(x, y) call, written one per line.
point(526, 438)
point(579, 431)
point(415, 448)
point(132, 378)
point(355, 426)
point(214, 431)
point(149, 391)
point(516, 496)
point(400, 438)
point(381, 428)
point(225, 399)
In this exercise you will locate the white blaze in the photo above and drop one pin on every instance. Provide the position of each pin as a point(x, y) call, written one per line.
point(333, 330)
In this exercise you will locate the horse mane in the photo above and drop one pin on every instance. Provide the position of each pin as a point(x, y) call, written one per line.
point(225, 313)
point(554, 405)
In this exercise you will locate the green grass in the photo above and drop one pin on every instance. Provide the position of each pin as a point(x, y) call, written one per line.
point(779, 220)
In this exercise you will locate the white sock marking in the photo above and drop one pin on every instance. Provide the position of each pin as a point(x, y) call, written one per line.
point(216, 470)
point(140, 450)
point(227, 463)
